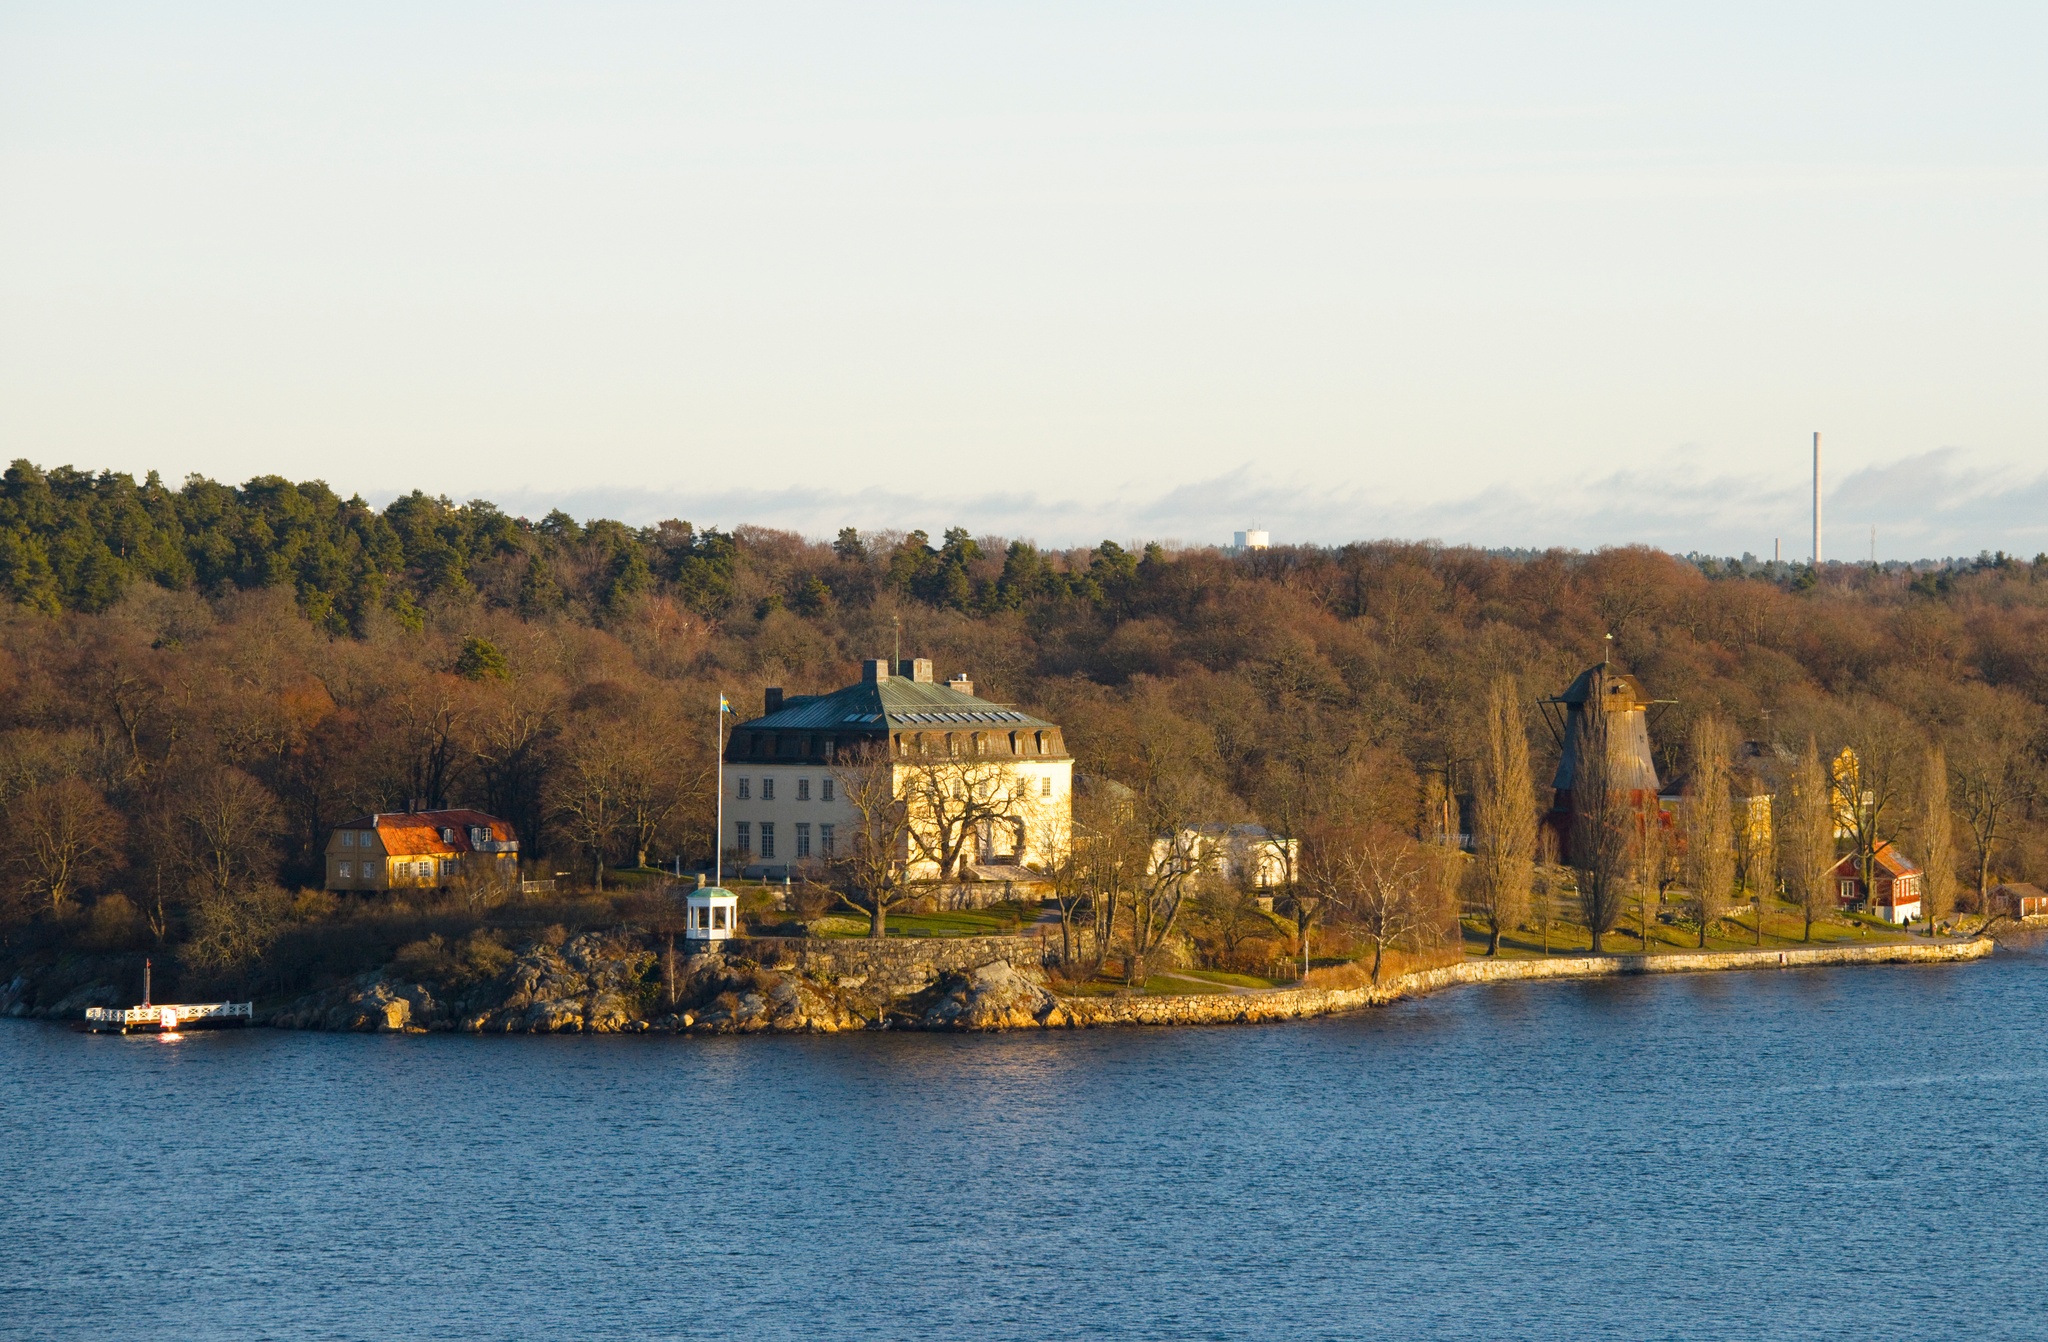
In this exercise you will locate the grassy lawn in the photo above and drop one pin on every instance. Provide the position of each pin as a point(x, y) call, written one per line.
point(1177, 986)
point(995, 921)
point(1782, 929)
point(1225, 977)
point(1091, 988)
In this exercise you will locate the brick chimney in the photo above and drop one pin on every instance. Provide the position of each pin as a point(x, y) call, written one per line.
point(961, 683)
point(918, 669)
point(772, 699)
point(874, 670)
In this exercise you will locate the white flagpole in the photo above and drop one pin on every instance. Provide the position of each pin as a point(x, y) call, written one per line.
point(718, 825)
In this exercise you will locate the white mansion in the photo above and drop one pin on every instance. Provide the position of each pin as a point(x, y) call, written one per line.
point(783, 808)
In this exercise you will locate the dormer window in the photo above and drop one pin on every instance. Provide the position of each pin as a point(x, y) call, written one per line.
point(348, 838)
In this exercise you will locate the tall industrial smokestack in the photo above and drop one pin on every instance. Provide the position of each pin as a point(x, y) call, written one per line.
point(1816, 499)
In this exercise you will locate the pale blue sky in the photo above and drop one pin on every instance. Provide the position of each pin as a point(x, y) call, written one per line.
point(1511, 274)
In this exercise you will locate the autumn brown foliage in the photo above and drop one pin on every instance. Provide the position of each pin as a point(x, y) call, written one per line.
point(210, 700)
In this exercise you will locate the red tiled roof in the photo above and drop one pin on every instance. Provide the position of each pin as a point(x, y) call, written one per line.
point(418, 833)
point(1889, 862)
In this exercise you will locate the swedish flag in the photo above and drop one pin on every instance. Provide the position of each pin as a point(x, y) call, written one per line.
point(723, 706)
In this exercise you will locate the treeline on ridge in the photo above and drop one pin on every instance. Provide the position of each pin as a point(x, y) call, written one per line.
point(201, 681)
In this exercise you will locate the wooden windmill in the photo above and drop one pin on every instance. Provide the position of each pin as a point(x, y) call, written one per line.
point(1623, 708)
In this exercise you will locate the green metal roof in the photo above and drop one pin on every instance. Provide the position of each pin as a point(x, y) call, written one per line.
point(893, 704)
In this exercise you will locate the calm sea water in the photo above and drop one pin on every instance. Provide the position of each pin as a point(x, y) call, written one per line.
point(1819, 1153)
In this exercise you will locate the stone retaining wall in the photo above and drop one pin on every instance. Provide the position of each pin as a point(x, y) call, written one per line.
point(1295, 1003)
point(894, 967)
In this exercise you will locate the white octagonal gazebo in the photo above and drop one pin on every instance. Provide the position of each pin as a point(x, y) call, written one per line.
point(711, 916)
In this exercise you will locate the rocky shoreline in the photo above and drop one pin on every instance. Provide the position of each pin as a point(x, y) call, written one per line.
point(616, 982)
point(599, 984)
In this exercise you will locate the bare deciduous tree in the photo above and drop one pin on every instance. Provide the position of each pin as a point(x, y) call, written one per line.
point(1759, 850)
point(1993, 776)
point(1654, 867)
point(225, 830)
point(1544, 884)
point(131, 692)
point(1095, 872)
point(1179, 859)
point(1875, 780)
point(427, 713)
point(232, 928)
point(509, 737)
point(953, 802)
point(1088, 877)
point(1233, 916)
point(1938, 845)
point(1808, 841)
point(868, 869)
point(1329, 878)
point(1504, 816)
point(590, 795)
point(1290, 798)
point(60, 835)
point(1603, 822)
point(658, 782)
point(1390, 873)
point(482, 881)
point(1708, 828)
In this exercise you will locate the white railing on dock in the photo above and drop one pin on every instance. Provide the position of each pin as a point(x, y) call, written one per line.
point(169, 1016)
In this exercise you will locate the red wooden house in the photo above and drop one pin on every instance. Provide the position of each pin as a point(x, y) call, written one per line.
point(1897, 896)
point(2018, 899)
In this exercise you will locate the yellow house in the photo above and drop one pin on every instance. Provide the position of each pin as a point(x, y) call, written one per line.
point(400, 850)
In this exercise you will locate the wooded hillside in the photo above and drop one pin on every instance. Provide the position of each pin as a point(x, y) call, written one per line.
point(196, 683)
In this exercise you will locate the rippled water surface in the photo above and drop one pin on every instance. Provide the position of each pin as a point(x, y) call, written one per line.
point(1818, 1153)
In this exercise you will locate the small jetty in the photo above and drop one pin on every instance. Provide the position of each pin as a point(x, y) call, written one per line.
point(167, 1017)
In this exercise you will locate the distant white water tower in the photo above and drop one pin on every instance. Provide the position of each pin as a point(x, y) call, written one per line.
point(1252, 540)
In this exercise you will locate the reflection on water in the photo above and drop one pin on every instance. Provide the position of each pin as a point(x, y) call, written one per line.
point(1788, 1155)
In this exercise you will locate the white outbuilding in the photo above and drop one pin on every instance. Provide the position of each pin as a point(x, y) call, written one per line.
point(711, 916)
